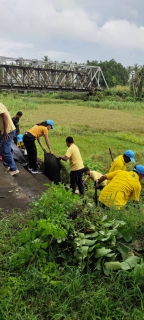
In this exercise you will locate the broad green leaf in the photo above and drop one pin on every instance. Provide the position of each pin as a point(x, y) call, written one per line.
point(79, 241)
point(127, 234)
point(84, 250)
point(113, 241)
point(119, 224)
point(89, 242)
point(109, 255)
point(78, 256)
point(123, 250)
point(98, 264)
point(113, 265)
point(139, 270)
point(91, 248)
point(102, 232)
point(108, 224)
point(91, 235)
point(101, 252)
point(104, 218)
point(44, 245)
point(81, 235)
point(130, 262)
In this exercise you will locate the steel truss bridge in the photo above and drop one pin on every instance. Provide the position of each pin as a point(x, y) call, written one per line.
point(35, 75)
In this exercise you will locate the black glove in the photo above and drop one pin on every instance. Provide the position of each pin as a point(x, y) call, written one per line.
point(96, 184)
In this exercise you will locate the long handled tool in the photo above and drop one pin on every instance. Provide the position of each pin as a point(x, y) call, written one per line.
point(111, 154)
point(95, 194)
point(96, 197)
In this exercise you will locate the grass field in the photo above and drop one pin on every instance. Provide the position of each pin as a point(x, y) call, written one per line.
point(94, 130)
point(44, 281)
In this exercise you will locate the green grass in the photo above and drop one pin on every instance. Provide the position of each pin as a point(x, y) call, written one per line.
point(48, 290)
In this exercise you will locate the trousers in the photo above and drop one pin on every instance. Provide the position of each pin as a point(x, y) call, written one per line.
point(76, 181)
point(8, 160)
point(29, 142)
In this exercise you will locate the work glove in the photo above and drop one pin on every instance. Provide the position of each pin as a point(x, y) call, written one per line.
point(96, 184)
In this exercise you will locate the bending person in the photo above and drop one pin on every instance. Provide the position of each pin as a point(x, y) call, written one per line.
point(93, 175)
point(123, 186)
point(39, 130)
point(120, 162)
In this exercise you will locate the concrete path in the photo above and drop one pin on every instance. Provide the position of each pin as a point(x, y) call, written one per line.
point(18, 191)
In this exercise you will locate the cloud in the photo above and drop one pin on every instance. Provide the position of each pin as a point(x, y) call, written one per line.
point(122, 34)
point(54, 27)
point(8, 48)
point(53, 55)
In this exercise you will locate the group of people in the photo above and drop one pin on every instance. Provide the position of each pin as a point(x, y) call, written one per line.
point(9, 128)
point(117, 186)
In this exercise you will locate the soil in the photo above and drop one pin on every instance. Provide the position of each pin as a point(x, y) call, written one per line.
point(17, 192)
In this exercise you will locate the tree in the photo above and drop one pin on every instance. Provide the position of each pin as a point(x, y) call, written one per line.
point(113, 71)
point(137, 81)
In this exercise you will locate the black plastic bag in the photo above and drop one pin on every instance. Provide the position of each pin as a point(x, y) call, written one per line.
point(52, 167)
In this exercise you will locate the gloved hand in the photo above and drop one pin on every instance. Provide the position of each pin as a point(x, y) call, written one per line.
point(96, 184)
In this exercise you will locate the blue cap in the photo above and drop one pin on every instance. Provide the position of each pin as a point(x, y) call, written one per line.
point(19, 137)
point(51, 123)
point(139, 169)
point(130, 154)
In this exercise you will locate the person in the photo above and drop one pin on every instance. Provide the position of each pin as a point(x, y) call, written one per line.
point(37, 131)
point(76, 166)
point(15, 120)
point(119, 163)
point(8, 131)
point(123, 186)
point(93, 175)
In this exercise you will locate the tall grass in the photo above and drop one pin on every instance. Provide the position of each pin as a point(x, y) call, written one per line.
point(115, 105)
point(15, 103)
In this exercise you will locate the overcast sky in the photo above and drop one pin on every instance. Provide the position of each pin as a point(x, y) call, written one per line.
point(73, 30)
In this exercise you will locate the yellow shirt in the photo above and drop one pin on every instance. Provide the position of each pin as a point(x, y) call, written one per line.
point(118, 164)
point(94, 175)
point(123, 186)
point(38, 131)
point(11, 126)
point(75, 158)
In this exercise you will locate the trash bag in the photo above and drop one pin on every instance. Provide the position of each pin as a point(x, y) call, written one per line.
point(52, 167)
point(17, 154)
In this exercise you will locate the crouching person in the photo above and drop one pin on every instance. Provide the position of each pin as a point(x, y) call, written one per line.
point(93, 175)
point(122, 187)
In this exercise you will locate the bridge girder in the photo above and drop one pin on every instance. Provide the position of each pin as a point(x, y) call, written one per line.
point(20, 74)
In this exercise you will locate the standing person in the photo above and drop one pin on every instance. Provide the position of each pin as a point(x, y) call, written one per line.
point(76, 165)
point(93, 175)
point(37, 131)
point(123, 186)
point(119, 163)
point(8, 131)
point(15, 120)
